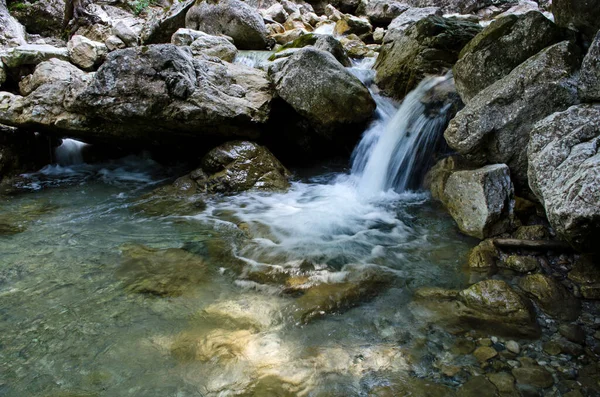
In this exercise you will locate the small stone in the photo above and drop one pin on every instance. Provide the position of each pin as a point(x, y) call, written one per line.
point(552, 348)
point(485, 342)
point(494, 339)
point(450, 370)
point(513, 363)
point(533, 376)
point(504, 382)
point(478, 386)
point(521, 264)
point(484, 353)
point(513, 347)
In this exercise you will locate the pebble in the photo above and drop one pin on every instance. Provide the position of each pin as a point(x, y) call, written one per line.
point(513, 347)
point(484, 353)
point(485, 342)
point(494, 339)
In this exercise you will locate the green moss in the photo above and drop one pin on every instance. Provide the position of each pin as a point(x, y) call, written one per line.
point(19, 6)
point(300, 42)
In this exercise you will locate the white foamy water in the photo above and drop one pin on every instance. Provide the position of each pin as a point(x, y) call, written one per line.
point(69, 152)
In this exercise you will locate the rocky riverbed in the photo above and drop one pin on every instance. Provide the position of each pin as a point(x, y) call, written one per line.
point(299, 198)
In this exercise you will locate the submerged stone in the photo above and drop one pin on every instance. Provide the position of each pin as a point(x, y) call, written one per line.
point(552, 297)
point(166, 273)
point(533, 376)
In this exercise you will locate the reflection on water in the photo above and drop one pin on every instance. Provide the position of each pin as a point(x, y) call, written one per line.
point(302, 293)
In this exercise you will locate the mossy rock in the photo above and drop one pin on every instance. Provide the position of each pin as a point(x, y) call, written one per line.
point(484, 256)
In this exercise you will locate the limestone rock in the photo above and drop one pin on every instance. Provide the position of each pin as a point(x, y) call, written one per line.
point(129, 36)
point(161, 29)
point(581, 15)
point(564, 173)
point(350, 24)
point(481, 201)
point(517, 38)
point(589, 78)
point(383, 12)
point(277, 13)
point(215, 46)
point(552, 297)
point(49, 72)
point(494, 127)
point(429, 47)
point(12, 32)
point(320, 89)
point(86, 53)
point(233, 18)
point(32, 54)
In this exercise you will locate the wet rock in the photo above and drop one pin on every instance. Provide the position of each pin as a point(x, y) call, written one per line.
point(232, 18)
point(383, 12)
point(586, 273)
point(572, 332)
point(327, 298)
point(515, 37)
point(589, 77)
point(277, 13)
point(181, 199)
point(239, 166)
point(40, 17)
point(494, 127)
point(161, 29)
point(436, 293)
point(256, 312)
point(534, 232)
point(564, 173)
point(350, 24)
point(85, 53)
point(320, 89)
point(213, 46)
point(484, 353)
point(504, 382)
point(334, 47)
point(552, 348)
point(438, 175)
point(12, 32)
point(481, 201)
point(478, 386)
point(520, 264)
point(533, 376)
point(580, 15)
point(168, 272)
point(355, 47)
point(552, 297)
point(414, 387)
point(513, 347)
point(484, 256)
point(429, 47)
point(32, 54)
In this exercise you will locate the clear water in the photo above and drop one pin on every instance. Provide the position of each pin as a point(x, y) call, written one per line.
point(79, 317)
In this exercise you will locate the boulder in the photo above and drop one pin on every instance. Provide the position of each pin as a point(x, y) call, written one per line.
point(589, 77)
point(40, 17)
point(32, 54)
point(429, 47)
point(276, 13)
point(406, 19)
point(489, 306)
point(437, 176)
point(383, 12)
point(321, 90)
point(355, 47)
point(114, 43)
point(564, 173)
point(580, 15)
point(49, 72)
point(233, 18)
point(214, 46)
point(517, 38)
point(239, 166)
point(334, 47)
point(149, 96)
point(520, 264)
point(12, 32)
point(124, 32)
point(494, 126)
point(160, 30)
point(347, 6)
point(85, 53)
point(481, 201)
point(553, 298)
point(535, 376)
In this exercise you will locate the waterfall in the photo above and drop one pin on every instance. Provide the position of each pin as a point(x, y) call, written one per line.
point(253, 59)
point(397, 150)
point(69, 152)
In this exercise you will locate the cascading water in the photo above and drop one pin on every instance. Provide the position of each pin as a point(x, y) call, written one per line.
point(396, 151)
point(69, 152)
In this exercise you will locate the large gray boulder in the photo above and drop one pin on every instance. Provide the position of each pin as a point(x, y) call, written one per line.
point(499, 48)
point(564, 173)
point(580, 15)
point(494, 126)
point(85, 53)
point(321, 90)
point(589, 78)
point(233, 18)
point(429, 47)
point(481, 201)
point(12, 32)
point(151, 95)
point(383, 12)
point(201, 43)
point(32, 54)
